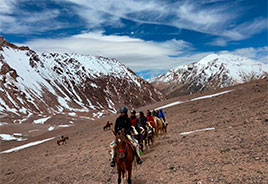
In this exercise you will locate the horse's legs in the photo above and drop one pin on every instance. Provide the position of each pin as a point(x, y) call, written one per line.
point(119, 178)
point(152, 139)
point(129, 175)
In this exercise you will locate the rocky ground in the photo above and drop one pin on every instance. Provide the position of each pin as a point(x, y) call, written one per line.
point(236, 151)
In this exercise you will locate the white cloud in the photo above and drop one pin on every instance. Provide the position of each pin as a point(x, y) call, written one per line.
point(135, 53)
point(6, 6)
point(212, 17)
point(259, 54)
point(17, 21)
point(241, 32)
point(208, 17)
point(181, 14)
point(247, 29)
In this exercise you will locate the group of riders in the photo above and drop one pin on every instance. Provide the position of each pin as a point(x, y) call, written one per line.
point(137, 127)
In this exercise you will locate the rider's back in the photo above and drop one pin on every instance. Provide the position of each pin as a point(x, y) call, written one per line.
point(122, 122)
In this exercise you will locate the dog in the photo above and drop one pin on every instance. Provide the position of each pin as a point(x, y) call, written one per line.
point(62, 140)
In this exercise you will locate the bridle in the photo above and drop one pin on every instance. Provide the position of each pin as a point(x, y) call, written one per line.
point(124, 149)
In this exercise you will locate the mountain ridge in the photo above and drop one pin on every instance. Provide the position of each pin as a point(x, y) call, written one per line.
point(212, 72)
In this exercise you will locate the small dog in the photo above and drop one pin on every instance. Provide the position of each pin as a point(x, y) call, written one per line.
point(62, 140)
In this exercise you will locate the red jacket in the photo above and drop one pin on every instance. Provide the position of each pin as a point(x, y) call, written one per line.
point(151, 120)
point(134, 122)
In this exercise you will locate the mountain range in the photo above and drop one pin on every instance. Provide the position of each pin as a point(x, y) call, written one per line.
point(51, 83)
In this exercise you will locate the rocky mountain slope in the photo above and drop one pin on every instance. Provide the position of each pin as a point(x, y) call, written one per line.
point(51, 83)
point(212, 72)
point(231, 148)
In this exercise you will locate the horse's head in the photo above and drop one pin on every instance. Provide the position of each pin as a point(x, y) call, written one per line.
point(120, 141)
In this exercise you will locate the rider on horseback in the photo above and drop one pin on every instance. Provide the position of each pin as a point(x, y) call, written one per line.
point(134, 122)
point(161, 115)
point(142, 122)
point(123, 122)
point(150, 119)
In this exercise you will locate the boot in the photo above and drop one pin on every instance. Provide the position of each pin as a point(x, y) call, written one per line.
point(139, 160)
point(112, 164)
point(138, 156)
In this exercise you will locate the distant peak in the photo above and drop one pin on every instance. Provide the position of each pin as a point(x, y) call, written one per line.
point(5, 43)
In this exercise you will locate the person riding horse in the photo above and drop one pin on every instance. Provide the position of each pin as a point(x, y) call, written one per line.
point(150, 119)
point(123, 122)
point(142, 122)
point(135, 122)
point(161, 115)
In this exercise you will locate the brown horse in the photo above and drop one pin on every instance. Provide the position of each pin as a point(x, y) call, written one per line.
point(141, 139)
point(124, 156)
point(150, 136)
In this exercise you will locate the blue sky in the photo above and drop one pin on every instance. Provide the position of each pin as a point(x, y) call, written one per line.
point(149, 36)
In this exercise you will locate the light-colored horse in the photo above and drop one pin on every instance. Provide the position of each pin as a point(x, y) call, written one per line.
point(159, 126)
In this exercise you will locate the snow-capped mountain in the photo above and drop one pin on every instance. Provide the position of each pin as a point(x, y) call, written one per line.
point(212, 72)
point(54, 83)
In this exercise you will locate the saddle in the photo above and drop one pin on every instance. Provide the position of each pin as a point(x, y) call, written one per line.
point(130, 144)
point(149, 128)
point(134, 130)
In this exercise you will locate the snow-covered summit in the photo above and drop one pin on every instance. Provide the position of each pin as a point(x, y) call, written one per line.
point(213, 71)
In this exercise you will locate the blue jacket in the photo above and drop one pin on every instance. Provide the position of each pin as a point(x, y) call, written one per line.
point(161, 114)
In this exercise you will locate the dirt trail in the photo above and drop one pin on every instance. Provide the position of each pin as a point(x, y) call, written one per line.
point(235, 152)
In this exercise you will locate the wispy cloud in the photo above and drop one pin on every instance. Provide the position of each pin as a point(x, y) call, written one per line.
point(135, 53)
point(205, 17)
point(241, 32)
point(259, 54)
point(212, 17)
point(14, 20)
point(181, 14)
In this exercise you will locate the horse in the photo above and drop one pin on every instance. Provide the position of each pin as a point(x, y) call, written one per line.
point(165, 124)
point(63, 140)
point(141, 138)
point(107, 126)
point(124, 156)
point(159, 126)
point(150, 135)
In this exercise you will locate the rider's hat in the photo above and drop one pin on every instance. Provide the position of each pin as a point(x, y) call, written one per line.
point(133, 111)
point(123, 109)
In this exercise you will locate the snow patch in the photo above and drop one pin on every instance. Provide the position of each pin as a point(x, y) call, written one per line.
point(51, 128)
point(41, 121)
point(17, 134)
point(194, 99)
point(27, 145)
point(64, 126)
point(198, 130)
point(2, 123)
point(169, 105)
point(98, 115)
point(210, 96)
point(8, 137)
point(72, 114)
point(35, 130)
